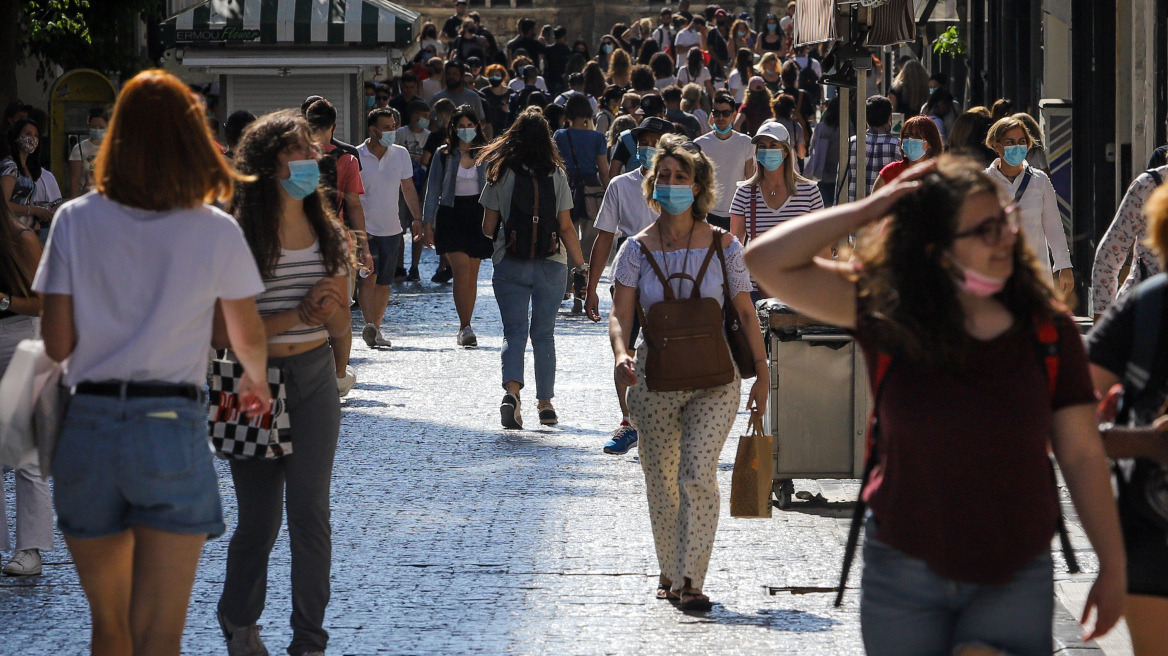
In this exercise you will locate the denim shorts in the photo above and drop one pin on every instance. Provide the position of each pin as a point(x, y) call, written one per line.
point(142, 461)
point(384, 251)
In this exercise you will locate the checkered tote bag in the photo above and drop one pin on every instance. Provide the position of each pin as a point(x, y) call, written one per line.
point(233, 433)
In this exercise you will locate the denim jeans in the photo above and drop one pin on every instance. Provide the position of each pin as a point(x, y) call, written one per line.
point(529, 293)
point(908, 610)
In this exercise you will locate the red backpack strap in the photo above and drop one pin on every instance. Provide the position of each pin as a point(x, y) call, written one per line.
point(1048, 348)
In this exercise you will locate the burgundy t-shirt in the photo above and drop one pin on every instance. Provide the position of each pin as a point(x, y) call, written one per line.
point(966, 483)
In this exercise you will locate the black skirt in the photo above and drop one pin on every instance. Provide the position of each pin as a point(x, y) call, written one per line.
point(459, 229)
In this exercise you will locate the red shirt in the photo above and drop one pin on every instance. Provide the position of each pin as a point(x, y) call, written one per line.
point(348, 176)
point(892, 171)
point(966, 483)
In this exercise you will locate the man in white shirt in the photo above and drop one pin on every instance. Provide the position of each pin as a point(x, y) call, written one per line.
point(664, 32)
point(689, 37)
point(623, 209)
point(385, 168)
point(732, 154)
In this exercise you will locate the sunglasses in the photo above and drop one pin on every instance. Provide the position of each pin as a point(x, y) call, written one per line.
point(994, 228)
point(722, 113)
point(386, 98)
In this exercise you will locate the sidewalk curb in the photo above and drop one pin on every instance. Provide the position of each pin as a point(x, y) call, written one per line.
point(1068, 634)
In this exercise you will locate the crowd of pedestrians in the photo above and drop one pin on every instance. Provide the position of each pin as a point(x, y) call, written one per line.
point(705, 154)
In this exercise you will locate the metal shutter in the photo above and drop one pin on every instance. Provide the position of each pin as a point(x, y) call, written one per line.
point(260, 94)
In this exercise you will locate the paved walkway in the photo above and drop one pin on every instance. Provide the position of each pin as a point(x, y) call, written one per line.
point(453, 536)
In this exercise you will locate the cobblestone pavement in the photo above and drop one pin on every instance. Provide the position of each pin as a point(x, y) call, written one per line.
point(452, 536)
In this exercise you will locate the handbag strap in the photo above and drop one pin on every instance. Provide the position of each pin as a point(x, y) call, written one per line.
point(753, 211)
point(572, 147)
point(718, 232)
point(657, 270)
point(697, 283)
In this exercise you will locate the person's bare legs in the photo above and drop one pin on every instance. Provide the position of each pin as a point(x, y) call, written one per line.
point(1146, 616)
point(106, 569)
point(164, 572)
point(373, 298)
point(466, 285)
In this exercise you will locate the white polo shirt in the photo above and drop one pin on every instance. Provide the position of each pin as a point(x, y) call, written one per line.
point(382, 179)
point(730, 156)
point(624, 209)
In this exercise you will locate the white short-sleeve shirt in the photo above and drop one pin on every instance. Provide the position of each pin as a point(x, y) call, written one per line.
point(382, 180)
point(144, 286)
point(623, 208)
point(730, 156)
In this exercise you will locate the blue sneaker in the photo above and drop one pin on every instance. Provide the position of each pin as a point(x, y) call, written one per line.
point(623, 439)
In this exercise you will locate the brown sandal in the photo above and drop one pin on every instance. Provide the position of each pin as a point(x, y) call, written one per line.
point(696, 602)
point(665, 593)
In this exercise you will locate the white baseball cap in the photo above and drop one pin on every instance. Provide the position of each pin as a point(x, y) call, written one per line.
point(773, 129)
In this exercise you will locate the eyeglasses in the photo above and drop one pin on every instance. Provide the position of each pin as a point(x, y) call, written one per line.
point(722, 113)
point(992, 230)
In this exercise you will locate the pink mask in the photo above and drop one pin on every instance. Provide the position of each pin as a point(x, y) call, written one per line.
point(977, 284)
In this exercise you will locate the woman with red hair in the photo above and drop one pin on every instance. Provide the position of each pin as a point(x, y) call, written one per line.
point(919, 141)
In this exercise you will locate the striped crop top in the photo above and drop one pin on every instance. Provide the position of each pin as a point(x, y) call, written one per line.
point(292, 277)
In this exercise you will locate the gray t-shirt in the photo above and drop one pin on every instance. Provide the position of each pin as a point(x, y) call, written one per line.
point(144, 286)
point(498, 197)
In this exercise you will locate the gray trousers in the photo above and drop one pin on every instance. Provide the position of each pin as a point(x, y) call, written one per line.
point(300, 480)
point(34, 501)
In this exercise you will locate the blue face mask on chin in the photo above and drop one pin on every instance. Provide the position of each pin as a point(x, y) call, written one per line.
point(303, 178)
point(1015, 155)
point(914, 149)
point(674, 199)
point(770, 158)
point(645, 155)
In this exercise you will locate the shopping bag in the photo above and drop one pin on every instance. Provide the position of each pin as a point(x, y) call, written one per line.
point(29, 373)
point(235, 434)
point(750, 486)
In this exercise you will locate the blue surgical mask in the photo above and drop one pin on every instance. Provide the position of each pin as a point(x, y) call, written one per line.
point(771, 27)
point(932, 90)
point(729, 127)
point(96, 135)
point(303, 178)
point(770, 158)
point(423, 123)
point(370, 101)
point(646, 154)
point(606, 48)
point(388, 138)
point(1015, 155)
point(914, 149)
point(467, 134)
point(674, 199)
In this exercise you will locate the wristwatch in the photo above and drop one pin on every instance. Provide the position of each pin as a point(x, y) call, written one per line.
point(5, 303)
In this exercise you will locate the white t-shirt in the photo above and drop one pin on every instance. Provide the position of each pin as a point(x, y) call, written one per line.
point(382, 180)
point(686, 38)
point(430, 87)
point(144, 286)
point(729, 156)
point(666, 81)
point(516, 84)
point(411, 141)
point(623, 208)
point(736, 86)
point(684, 78)
point(85, 152)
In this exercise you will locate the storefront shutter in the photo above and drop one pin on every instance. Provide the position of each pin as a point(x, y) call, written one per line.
point(260, 94)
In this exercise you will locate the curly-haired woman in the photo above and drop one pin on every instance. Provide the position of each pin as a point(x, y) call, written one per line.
point(951, 311)
point(682, 432)
point(304, 260)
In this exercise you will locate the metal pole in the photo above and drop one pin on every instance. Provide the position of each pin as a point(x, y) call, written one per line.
point(861, 133)
point(845, 120)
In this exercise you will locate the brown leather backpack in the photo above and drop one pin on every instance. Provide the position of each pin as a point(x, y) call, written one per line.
point(687, 345)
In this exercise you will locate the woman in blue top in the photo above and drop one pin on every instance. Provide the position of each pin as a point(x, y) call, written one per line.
point(585, 154)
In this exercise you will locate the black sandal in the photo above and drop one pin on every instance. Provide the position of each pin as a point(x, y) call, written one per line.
point(697, 602)
point(664, 593)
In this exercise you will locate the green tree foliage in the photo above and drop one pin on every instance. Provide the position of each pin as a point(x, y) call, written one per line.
point(98, 34)
point(950, 43)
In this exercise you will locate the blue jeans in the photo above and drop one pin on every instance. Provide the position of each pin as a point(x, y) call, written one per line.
point(529, 293)
point(908, 610)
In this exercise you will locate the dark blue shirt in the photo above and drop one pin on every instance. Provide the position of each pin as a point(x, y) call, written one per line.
point(588, 145)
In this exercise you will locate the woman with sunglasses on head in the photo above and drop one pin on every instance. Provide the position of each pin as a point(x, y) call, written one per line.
point(1033, 195)
point(304, 260)
point(951, 311)
point(130, 280)
point(919, 141)
point(453, 212)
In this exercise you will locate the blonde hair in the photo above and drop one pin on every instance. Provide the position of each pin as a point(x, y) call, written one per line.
point(1156, 213)
point(619, 125)
point(1002, 127)
point(790, 175)
point(770, 57)
point(1032, 125)
point(694, 162)
point(691, 97)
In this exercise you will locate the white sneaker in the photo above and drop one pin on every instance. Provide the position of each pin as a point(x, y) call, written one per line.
point(381, 340)
point(466, 338)
point(26, 562)
point(369, 334)
point(345, 384)
point(242, 640)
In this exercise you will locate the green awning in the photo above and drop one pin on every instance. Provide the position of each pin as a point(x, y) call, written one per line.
point(368, 23)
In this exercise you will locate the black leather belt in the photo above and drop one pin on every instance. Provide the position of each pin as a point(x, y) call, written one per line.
point(140, 390)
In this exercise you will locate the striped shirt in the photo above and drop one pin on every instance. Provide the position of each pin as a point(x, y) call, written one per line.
point(292, 277)
point(806, 199)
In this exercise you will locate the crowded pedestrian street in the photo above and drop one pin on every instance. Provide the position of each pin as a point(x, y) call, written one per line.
point(458, 537)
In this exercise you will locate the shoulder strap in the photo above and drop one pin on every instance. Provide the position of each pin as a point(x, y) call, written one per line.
point(1149, 302)
point(696, 292)
point(657, 270)
point(754, 188)
point(1159, 179)
point(572, 148)
point(1048, 349)
point(718, 234)
point(1026, 175)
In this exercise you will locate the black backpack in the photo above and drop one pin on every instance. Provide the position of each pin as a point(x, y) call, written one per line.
point(532, 228)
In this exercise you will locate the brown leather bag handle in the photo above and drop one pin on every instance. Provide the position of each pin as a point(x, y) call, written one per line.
point(718, 232)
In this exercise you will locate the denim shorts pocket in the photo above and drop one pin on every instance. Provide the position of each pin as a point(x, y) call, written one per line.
point(166, 446)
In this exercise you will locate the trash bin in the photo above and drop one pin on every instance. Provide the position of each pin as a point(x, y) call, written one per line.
point(819, 400)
